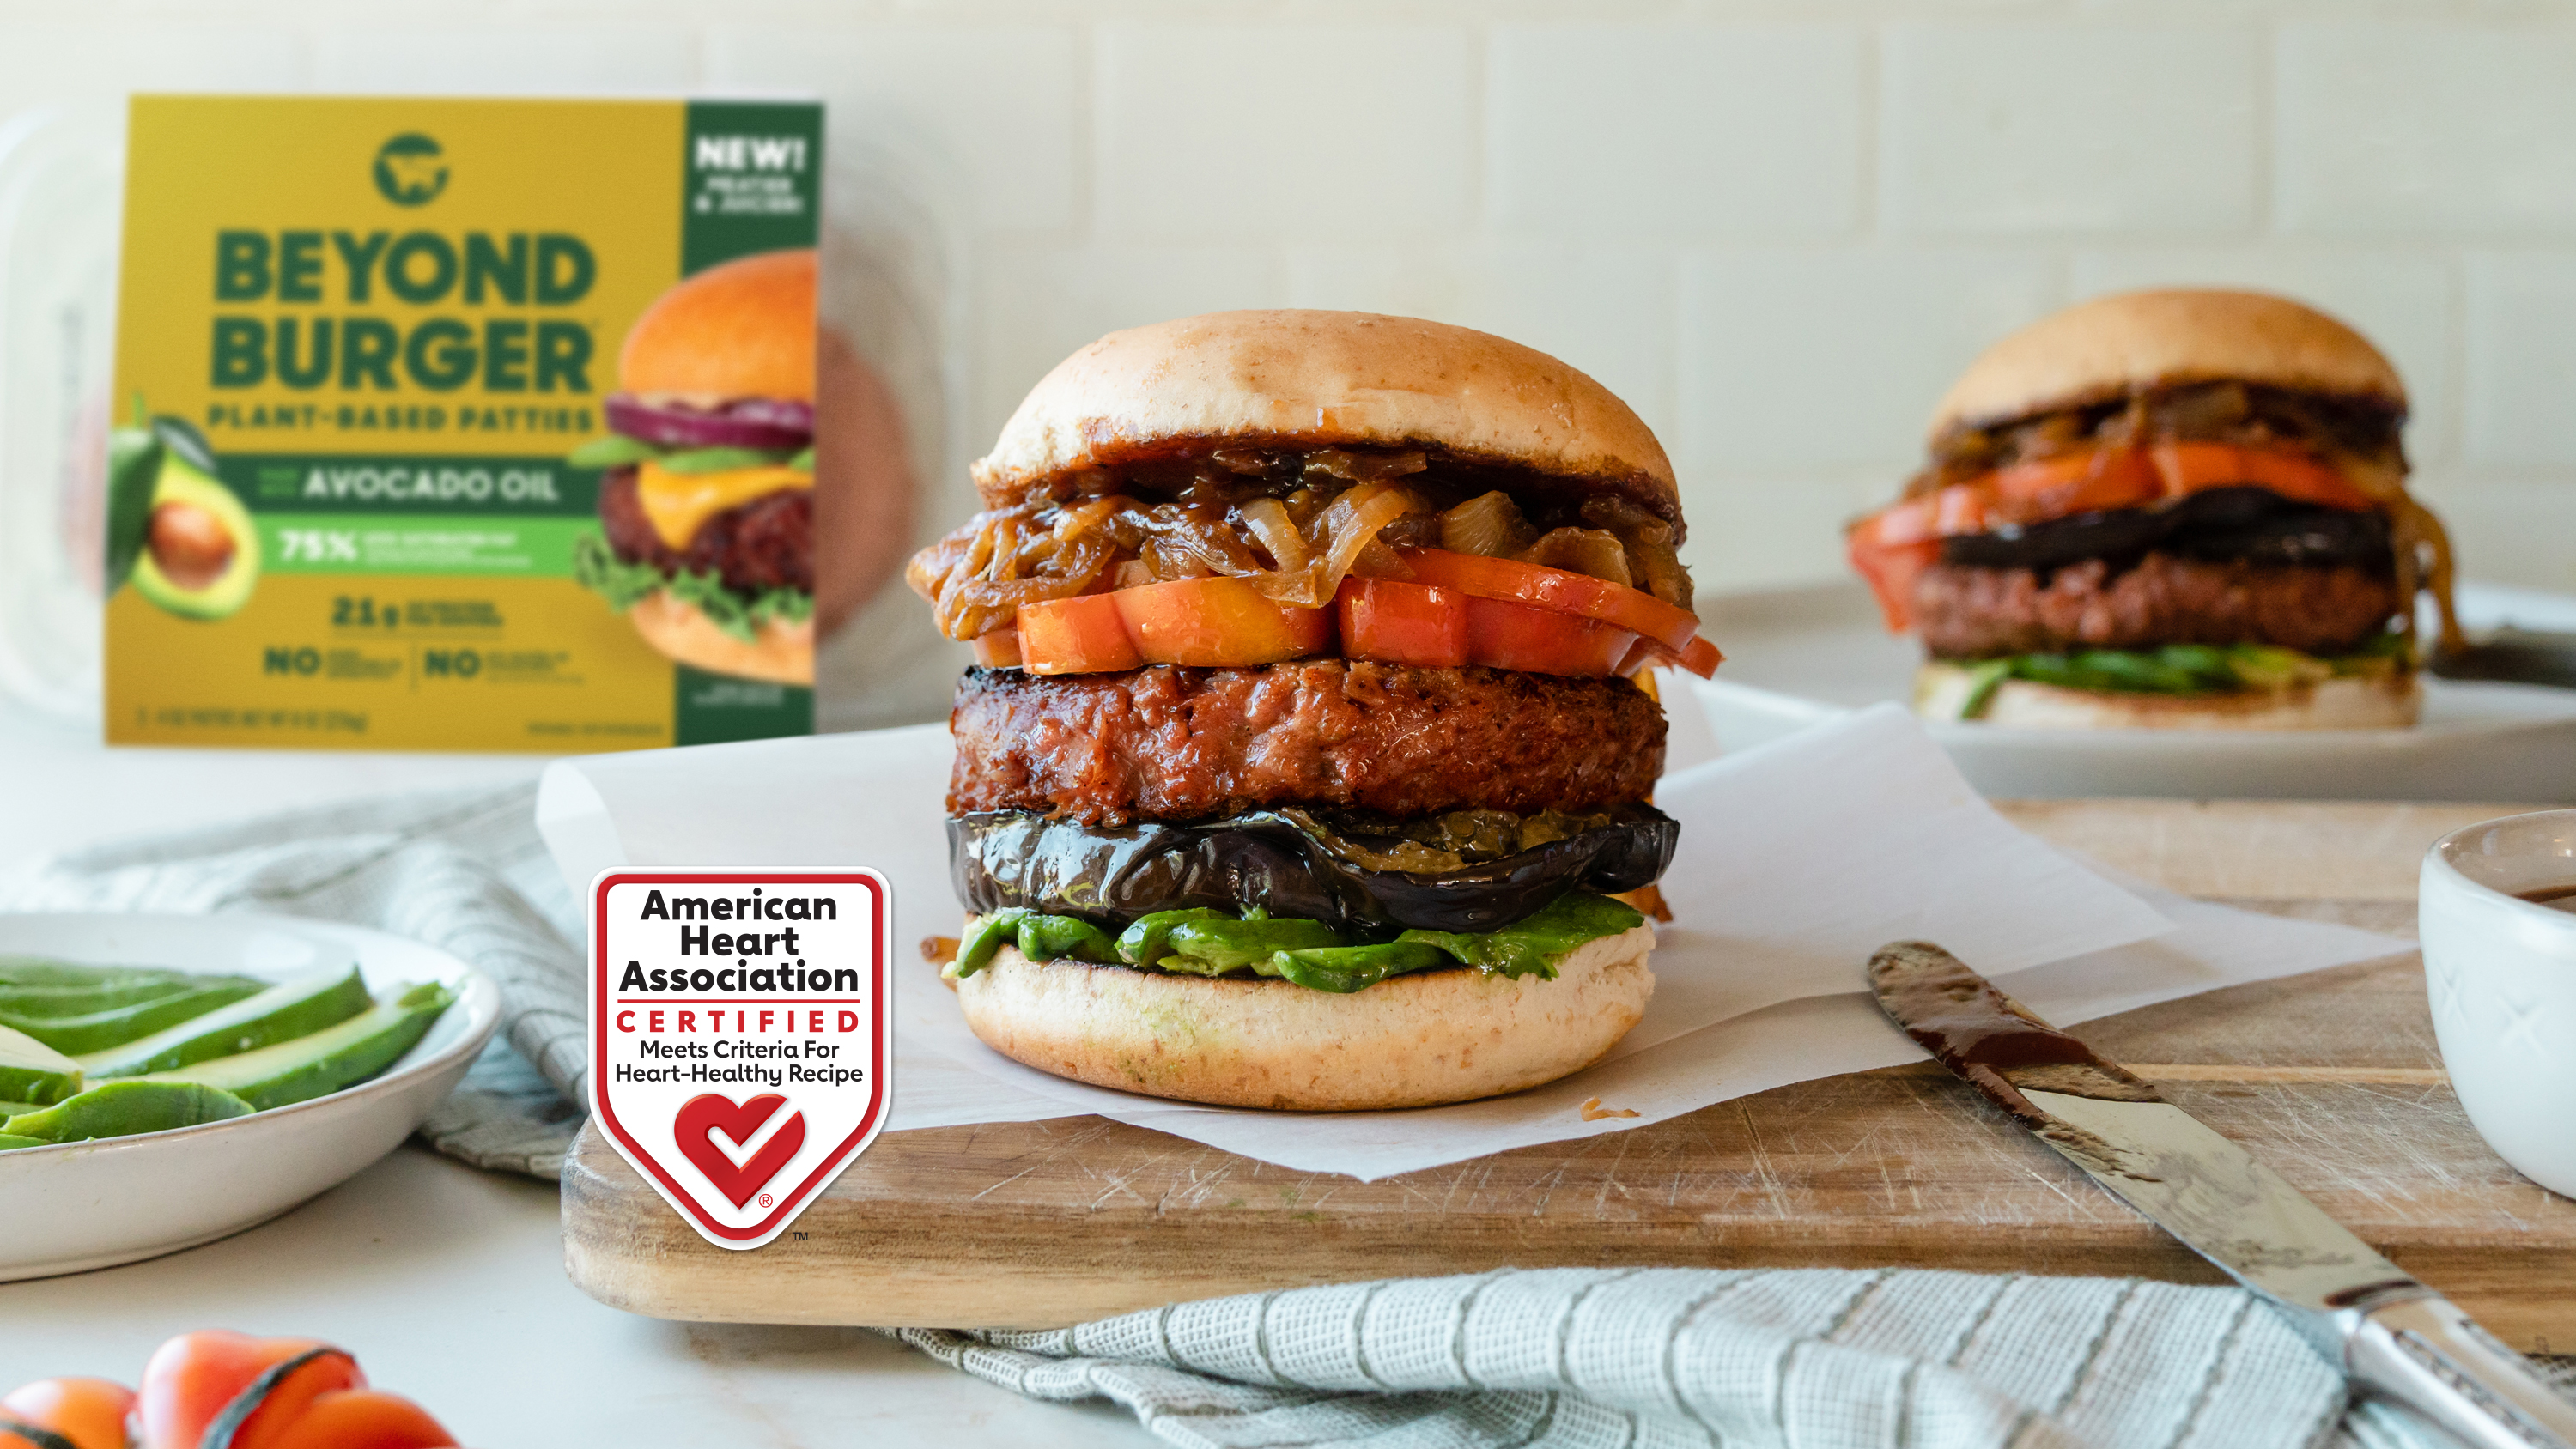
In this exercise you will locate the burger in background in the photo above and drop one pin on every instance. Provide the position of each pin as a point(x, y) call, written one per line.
point(707, 501)
point(1308, 747)
point(2165, 508)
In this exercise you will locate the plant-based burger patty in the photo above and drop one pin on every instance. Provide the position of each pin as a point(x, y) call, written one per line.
point(1177, 744)
point(763, 544)
point(1968, 613)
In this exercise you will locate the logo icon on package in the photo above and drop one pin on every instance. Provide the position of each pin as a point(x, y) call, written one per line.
point(739, 1029)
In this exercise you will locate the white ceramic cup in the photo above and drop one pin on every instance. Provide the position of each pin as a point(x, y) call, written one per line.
point(2501, 972)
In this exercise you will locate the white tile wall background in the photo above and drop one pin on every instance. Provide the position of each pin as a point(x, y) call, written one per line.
point(1777, 228)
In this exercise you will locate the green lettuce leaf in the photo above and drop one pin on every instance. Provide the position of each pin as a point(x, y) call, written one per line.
point(2182, 669)
point(1203, 942)
point(597, 567)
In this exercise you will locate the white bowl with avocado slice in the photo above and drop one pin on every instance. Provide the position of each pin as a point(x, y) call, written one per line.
point(187, 1077)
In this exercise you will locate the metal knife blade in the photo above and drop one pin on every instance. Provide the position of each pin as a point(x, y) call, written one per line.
point(2394, 1336)
point(2518, 656)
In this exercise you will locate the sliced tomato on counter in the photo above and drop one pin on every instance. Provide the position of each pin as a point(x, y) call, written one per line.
point(263, 1413)
point(1561, 590)
point(88, 1412)
point(1075, 636)
point(192, 1378)
point(361, 1419)
point(1402, 623)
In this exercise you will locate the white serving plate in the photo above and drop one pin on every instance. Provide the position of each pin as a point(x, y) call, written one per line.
point(1795, 656)
point(94, 1204)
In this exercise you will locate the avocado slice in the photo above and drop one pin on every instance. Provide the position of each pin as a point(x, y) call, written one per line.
point(16, 971)
point(281, 1013)
point(125, 1109)
point(96, 1031)
point(324, 1062)
point(82, 1000)
point(200, 553)
point(7, 1142)
point(31, 1071)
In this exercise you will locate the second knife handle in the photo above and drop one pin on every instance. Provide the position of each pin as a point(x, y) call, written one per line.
point(2428, 1355)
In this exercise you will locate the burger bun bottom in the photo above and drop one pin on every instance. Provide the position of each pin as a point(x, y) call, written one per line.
point(782, 653)
point(1409, 1041)
point(2356, 703)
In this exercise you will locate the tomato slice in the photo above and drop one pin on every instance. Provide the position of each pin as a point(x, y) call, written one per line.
point(1207, 623)
point(1891, 569)
point(190, 1379)
point(999, 649)
point(1402, 623)
point(1562, 590)
point(1419, 624)
point(1075, 636)
point(2083, 482)
point(363, 1419)
point(1700, 658)
point(1543, 641)
point(88, 1412)
point(1212, 623)
point(2187, 468)
point(1892, 547)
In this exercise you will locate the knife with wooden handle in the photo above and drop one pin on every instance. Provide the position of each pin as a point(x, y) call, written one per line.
point(2395, 1337)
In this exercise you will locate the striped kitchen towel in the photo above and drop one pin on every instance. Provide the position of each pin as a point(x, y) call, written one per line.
point(1641, 1358)
point(462, 870)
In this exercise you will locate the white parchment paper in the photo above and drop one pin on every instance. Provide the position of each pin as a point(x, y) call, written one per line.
point(1797, 860)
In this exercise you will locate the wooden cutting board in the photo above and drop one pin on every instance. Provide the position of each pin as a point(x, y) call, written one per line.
point(2331, 1078)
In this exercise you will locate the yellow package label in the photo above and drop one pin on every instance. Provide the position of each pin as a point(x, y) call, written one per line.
point(476, 425)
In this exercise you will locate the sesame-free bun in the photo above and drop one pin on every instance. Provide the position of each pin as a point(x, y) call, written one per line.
point(2354, 703)
point(781, 653)
point(1325, 379)
point(742, 329)
point(2113, 346)
point(1409, 1041)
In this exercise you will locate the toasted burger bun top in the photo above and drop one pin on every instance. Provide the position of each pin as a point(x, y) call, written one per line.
point(744, 329)
point(1324, 379)
point(2113, 346)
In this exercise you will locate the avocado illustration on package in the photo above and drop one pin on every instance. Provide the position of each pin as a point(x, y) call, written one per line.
point(173, 529)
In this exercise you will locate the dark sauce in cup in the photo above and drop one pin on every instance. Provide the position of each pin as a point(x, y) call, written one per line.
point(2557, 897)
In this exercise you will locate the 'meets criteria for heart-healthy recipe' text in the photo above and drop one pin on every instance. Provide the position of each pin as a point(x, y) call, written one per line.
point(774, 1063)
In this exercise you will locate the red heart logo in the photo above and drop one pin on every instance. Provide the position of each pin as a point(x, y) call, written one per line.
point(710, 1112)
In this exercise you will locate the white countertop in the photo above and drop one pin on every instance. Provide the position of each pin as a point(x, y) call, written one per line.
point(448, 1283)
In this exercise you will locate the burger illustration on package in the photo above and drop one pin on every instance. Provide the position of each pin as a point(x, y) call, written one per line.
point(708, 494)
point(463, 424)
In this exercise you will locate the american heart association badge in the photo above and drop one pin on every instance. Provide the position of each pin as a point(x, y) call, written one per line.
point(739, 1035)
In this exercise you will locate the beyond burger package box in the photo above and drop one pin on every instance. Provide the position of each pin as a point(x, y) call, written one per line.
point(463, 424)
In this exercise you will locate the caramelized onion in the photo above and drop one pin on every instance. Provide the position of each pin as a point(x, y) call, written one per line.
point(1269, 521)
point(1291, 523)
point(1489, 525)
point(1596, 552)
